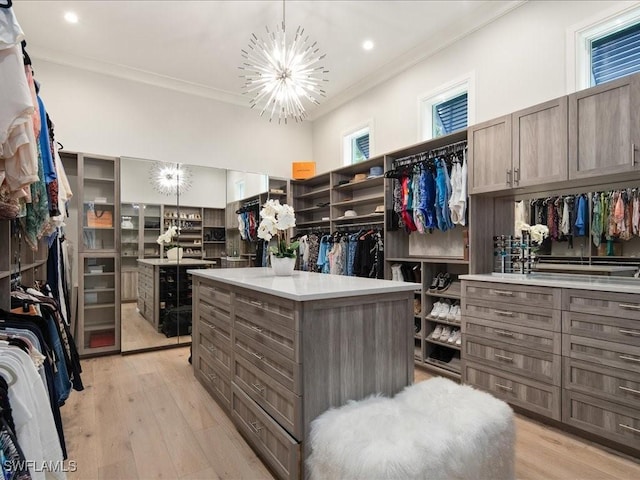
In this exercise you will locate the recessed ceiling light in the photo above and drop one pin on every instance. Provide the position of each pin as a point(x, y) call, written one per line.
point(71, 17)
point(367, 45)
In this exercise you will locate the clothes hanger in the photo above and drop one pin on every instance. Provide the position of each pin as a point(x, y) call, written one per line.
point(13, 377)
point(6, 5)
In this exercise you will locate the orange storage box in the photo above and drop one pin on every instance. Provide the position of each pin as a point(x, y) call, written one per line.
point(302, 170)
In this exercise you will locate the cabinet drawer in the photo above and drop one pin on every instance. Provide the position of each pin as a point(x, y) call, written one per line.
point(214, 295)
point(219, 352)
point(615, 422)
point(215, 324)
point(537, 365)
point(536, 339)
point(277, 448)
point(275, 365)
point(275, 336)
point(513, 294)
point(537, 397)
point(213, 380)
point(284, 406)
point(535, 317)
point(271, 309)
point(603, 328)
point(620, 386)
point(609, 304)
point(618, 355)
point(215, 311)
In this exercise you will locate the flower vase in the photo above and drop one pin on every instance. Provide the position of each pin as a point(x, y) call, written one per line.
point(283, 266)
point(175, 253)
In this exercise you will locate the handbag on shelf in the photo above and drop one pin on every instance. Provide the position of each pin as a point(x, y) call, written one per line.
point(97, 218)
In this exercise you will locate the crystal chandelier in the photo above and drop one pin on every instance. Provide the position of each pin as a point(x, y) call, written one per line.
point(279, 75)
point(170, 178)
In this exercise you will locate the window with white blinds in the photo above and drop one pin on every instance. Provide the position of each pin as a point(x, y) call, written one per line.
point(615, 55)
point(450, 115)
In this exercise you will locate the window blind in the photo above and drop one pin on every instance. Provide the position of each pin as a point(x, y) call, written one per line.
point(363, 145)
point(452, 114)
point(616, 55)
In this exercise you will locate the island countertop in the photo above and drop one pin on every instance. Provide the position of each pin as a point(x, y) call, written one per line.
point(303, 286)
point(580, 282)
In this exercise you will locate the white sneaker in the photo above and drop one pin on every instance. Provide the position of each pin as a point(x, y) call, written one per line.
point(458, 339)
point(444, 312)
point(446, 333)
point(458, 315)
point(452, 337)
point(451, 313)
point(436, 309)
point(436, 333)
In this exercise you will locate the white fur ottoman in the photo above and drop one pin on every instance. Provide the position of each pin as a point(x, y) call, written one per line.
point(431, 430)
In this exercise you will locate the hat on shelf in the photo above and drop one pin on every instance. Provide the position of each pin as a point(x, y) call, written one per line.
point(343, 182)
point(358, 177)
point(375, 172)
point(349, 213)
point(379, 209)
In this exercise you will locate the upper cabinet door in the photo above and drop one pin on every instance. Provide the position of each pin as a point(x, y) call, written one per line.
point(490, 156)
point(604, 128)
point(540, 144)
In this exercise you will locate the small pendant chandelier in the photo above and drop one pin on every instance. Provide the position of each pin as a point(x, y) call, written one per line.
point(278, 76)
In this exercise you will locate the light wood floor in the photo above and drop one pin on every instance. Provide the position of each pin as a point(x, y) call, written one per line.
point(145, 416)
point(138, 333)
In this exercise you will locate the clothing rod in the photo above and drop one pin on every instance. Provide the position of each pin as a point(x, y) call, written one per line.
point(454, 147)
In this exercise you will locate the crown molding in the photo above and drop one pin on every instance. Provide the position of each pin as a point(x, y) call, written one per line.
point(488, 13)
point(136, 75)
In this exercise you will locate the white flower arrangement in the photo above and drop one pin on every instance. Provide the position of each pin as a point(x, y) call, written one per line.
point(538, 231)
point(276, 220)
point(167, 237)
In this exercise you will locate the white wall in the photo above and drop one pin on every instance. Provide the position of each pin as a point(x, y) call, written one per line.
point(518, 61)
point(207, 186)
point(254, 184)
point(100, 114)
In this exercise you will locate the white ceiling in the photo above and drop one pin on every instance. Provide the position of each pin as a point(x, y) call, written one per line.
point(194, 46)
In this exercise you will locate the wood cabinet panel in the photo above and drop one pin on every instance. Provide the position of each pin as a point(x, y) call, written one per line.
point(531, 296)
point(278, 449)
point(129, 285)
point(215, 320)
point(282, 404)
point(537, 365)
point(537, 397)
point(609, 420)
point(613, 384)
point(610, 304)
point(218, 350)
point(490, 156)
point(540, 144)
point(213, 380)
point(604, 124)
point(277, 310)
point(611, 329)
point(277, 366)
point(526, 337)
point(215, 295)
point(281, 339)
point(601, 352)
point(542, 318)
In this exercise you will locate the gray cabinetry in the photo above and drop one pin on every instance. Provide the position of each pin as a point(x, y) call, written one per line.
point(490, 156)
point(274, 364)
point(540, 144)
point(604, 129)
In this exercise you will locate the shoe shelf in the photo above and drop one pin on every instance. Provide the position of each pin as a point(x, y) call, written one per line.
point(444, 321)
point(444, 344)
point(454, 291)
point(453, 366)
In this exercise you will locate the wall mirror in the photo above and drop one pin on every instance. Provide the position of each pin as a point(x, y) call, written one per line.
point(155, 290)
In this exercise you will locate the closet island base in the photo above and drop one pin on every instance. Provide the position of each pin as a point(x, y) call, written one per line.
point(276, 352)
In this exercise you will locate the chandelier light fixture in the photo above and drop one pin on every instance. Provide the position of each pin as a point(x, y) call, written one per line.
point(170, 178)
point(278, 76)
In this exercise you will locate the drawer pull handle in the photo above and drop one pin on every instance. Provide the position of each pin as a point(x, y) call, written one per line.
point(503, 357)
point(256, 303)
point(257, 355)
point(629, 306)
point(633, 333)
point(504, 387)
point(211, 349)
point(503, 293)
point(258, 387)
point(630, 390)
point(213, 377)
point(503, 313)
point(255, 426)
point(212, 327)
point(502, 333)
point(629, 358)
point(257, 329)
point(634, 430)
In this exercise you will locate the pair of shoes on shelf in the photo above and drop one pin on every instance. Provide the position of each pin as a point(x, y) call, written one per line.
point(447, 334)
point(417, 307)
point(442, 354)
point(197, 242)
point(440, 282)
point(445, 310)
point(417, 326)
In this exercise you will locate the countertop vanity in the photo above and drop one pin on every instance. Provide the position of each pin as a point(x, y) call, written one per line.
point(276, 352)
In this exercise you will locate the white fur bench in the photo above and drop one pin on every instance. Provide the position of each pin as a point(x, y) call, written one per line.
point(435, 429)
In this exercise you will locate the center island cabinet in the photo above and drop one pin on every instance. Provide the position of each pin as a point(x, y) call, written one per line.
point(276, 352)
